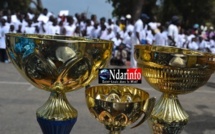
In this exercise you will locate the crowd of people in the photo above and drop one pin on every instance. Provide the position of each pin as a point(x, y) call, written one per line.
point(124, 32)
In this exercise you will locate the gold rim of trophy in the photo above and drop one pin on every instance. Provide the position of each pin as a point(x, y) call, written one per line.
point(58, 38)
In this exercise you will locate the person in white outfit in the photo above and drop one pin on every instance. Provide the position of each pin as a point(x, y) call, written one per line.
point(130, 25)
point(29, 29)
point(117, 41)
point(54, 29)
point(89, 28)
point(12, 29)
point(203, 44)
point(103, 32)
point(96, 30)
point(193, 44)
point(158, 38)
point(3, 30)
point(173, 31)
point(70, 28)
point(138, 27)
point(149, 36)
point(110, 34)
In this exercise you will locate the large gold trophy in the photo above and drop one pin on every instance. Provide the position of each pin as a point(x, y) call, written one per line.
point(172, 71)
point(117, 106)
point(58, 64)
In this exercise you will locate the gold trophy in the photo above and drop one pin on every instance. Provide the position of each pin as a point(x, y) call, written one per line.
point(117, 106)
point(58, 64)
point(172, 71)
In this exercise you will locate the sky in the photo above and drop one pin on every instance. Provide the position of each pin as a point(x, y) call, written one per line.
point(99, 7)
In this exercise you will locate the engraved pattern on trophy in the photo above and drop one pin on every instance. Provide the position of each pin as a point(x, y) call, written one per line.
point(172, 71)
point(58, 64)
point(118, 106)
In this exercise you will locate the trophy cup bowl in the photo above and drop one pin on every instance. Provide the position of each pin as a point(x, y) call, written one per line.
point(118, 106)
point(57, 64)
point(172, 71)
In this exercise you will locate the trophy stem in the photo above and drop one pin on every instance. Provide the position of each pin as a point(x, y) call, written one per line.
point(168, 116)
point(114, 132)
point(56, 116)
point(114, 129)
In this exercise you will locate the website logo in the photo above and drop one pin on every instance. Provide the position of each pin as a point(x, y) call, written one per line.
point(120, 76)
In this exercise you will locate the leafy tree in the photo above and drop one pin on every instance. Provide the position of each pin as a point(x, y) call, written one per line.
point(38, 4)
point(124, 7)
point(20, 5)
point(120, 8)
point(191, 11)
point(133, 7)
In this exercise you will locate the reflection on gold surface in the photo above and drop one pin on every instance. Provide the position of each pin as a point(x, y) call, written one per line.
point(172, 71)
point(46, 59)
point(118, 106)
point(57, 64)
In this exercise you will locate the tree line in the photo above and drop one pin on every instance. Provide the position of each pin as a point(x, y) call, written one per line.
point(190, 11)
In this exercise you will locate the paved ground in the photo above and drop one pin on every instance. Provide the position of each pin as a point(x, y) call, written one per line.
point(19, 101)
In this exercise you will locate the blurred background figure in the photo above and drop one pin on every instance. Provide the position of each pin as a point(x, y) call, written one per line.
point(4, 29)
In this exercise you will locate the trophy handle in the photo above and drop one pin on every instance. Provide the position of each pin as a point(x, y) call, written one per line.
point(147, 109)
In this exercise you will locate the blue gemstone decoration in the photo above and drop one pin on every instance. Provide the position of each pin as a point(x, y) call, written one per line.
point(56, 127)
point(24, 46)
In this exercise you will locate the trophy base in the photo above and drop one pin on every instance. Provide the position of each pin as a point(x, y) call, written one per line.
point(56, 116)
point(168, 116)
point(56, 127)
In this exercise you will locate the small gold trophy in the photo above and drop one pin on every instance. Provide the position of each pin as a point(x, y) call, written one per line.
point(118, 106)
point(172, 71)
point(58, 64)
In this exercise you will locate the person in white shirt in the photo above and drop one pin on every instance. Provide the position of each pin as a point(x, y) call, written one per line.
point(29, 29)
point(193, 44)
point(70, 28)
point(89, 28)
point(116, 28)
point(9, 21)
point(3, 30)
point(173, 31)
point(123, 33)
point(181, 39)
point(54, 29)
point(110, 24)
point(127, 40)
point(116, 41)
point(93, 19)
point(103, 32)
point(130, 25)
point(82, 23)
point(103, 22)
point(47, 13)
point(12, 29)
point(164, 34)
point(30, 13)
point(21, 21)
point(203, 44)
point(138, 27)
point(96, 30)
point(158, 38)
point(149, 36)
point(110, 34)
point(211, 41)
point(77, 32)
